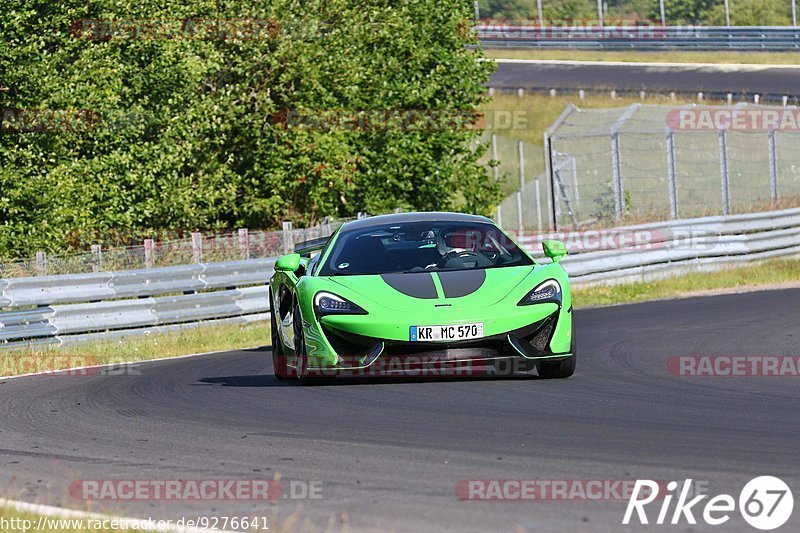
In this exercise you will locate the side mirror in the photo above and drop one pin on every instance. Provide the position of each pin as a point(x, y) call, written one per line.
point(288, 263)
point(555, 250)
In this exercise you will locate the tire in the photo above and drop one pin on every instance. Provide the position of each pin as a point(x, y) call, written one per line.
point(301, 357)
point(560, 369)
point(279, 367)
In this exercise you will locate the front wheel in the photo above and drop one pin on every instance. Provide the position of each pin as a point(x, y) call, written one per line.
point(301, 357)
point(279, 367)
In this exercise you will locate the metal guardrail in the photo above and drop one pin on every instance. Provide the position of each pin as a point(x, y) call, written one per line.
point(670, 248)
point(57, 309)
point(642, 37)
point(60, 309)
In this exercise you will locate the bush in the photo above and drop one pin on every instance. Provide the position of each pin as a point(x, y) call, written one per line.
point(188, 136)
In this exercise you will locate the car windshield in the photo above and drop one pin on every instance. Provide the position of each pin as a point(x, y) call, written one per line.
point(422, 247)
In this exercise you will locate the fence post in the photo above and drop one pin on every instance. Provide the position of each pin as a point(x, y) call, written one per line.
point(519, 211)
point(538, 204)
point(41, 263)
point(148, 253)
point(97, 258)
point(197, 247)
point(723, 170)
point(616, 173)
point(671, 179)
point(773, 166)
point(616, 165)
point(495, 169)
point(288, 237)
point(500, 215)
point(600, 13)
point(549, 173)
point(521, 150)
point(244, 243)
point(727, 14)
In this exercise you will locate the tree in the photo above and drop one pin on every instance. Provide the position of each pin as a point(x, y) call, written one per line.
point(190, 132)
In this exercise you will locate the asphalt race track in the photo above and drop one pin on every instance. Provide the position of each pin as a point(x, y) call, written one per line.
point(717, 79)
point(389, 455)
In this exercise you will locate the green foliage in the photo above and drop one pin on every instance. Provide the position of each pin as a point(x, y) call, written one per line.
point(753, 13)
point(187, 137)
point(508, 9)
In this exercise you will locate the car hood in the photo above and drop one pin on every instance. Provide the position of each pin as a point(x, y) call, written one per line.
point(461, 288)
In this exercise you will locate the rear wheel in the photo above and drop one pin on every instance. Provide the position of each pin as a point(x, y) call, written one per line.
point(560, 369)
point(279, 367)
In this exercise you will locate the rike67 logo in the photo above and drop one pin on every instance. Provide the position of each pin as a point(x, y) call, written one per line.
point(765, 503)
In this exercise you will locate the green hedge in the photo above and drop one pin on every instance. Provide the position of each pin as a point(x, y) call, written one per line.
point(185, 132)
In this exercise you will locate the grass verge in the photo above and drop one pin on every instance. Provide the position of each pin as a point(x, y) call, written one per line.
point(773, 273)
point(728, 58)
point(11, 520)
point(16, 361)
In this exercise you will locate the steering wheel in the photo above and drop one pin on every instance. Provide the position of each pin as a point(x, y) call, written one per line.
point(480, 259)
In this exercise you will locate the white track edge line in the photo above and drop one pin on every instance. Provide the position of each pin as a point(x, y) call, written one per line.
point(567, 62)
point(64, 513)
point(117, 365)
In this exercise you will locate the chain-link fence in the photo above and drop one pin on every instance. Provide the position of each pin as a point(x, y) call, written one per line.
point(242, 244)
point(645, 163)
point(519, 165)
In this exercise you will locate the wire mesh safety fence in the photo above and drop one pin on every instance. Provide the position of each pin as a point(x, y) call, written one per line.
point(199, 248)
point(645, 163)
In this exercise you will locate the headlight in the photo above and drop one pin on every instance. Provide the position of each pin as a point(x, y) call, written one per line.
point(548, 291)
point(326, 303)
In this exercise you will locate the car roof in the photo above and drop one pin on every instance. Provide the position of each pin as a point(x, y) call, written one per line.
point(406, 218)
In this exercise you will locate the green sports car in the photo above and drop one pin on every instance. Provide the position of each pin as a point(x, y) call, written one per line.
point(417, 293)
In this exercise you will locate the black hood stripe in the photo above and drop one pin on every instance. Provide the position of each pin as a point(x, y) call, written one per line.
point(416, 285)
point(461, 282)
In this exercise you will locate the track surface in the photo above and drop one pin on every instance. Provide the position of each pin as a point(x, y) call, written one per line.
point(721, 79)
point(389, 454)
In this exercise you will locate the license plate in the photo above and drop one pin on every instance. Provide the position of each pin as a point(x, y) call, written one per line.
point(457, 332)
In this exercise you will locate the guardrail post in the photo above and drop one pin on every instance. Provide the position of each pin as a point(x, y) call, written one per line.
point(539, 12)
point(773, 166)
point(723, 170)
point(671, 180)
point(197, 247)
point(97, 258)
point(148, 253)
point(288, 237)
point(244, 243)
point(41, 263)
